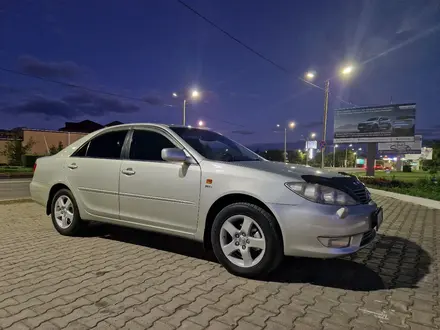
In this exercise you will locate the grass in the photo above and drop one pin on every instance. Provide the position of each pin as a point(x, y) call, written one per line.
point(397, 175)
point(418, 184)
point(15, 169)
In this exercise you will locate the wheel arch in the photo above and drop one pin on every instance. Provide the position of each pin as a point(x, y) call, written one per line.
point(229, 199)
point(53, 190)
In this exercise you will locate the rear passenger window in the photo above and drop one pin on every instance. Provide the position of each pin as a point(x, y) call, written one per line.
point(148, 145)
point(108, 145)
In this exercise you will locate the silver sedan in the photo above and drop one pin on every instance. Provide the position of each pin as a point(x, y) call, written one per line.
point(198, 184)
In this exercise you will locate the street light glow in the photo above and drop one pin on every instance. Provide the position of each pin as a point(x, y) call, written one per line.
point(174, 94)
point(292, 124)
point(347, 70)
point(336, 145)
point(313, 135)
point(201, 123)
point(310, 75)
point(350, 145)
point(195, 94)
point(360, 149)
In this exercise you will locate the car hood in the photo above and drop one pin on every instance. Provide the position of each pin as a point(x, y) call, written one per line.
point(290, 170)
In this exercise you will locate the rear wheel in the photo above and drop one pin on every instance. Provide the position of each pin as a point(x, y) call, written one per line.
point(65, 214)
point(246, 241)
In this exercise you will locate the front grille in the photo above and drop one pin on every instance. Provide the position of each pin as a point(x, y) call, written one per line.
point(368, 237)
point(362, 194)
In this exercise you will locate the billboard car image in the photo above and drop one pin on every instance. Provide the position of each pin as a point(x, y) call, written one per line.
point(395, 122)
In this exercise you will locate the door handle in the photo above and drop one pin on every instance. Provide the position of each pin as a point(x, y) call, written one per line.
point(129, 171)
point(72, 166)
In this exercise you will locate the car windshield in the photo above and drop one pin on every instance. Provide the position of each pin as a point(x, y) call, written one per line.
point(372, 119)
point(215, 146)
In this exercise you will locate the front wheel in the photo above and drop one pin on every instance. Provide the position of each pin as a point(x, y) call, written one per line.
point(65, 213)
point(246, 241)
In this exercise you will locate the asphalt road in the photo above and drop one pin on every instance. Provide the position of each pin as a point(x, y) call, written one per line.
point(14, 188)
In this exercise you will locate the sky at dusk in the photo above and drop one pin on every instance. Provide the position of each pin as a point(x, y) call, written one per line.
point(146, 50)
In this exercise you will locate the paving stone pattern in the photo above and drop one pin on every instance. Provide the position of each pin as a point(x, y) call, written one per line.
point(116, 278)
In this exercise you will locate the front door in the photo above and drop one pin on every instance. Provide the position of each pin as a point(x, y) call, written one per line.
point(93, 175)
point(155, 193)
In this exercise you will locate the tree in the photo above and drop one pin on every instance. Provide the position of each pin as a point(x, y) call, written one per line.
point(15, 148)
point(54, 150)
point(274, 155)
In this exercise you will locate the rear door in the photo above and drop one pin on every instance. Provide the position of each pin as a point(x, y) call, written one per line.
point(159, 194)
point(93, 174)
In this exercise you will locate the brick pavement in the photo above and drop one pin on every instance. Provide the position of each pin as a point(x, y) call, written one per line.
point(124, 279)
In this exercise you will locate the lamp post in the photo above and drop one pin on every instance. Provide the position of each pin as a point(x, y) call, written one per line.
point(334, 155)
point(291, 126)
point(310, 76)
point(346, 154)
point(193, 95)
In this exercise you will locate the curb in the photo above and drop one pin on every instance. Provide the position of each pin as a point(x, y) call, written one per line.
point(406, 198)
point(15, 201)
point(7, 176)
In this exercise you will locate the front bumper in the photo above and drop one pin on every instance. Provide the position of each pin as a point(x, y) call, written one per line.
point(316, 230)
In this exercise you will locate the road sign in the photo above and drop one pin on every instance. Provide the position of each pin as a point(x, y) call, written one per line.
point(322, 144)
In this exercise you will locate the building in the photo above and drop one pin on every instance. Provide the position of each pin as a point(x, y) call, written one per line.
point(45, 139)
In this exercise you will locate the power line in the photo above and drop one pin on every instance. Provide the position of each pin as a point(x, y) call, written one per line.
point(260, 55)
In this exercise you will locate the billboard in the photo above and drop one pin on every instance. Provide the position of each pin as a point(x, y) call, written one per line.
point(388, 123)
point(425, 154)
point(311, 144)
point(414, 147)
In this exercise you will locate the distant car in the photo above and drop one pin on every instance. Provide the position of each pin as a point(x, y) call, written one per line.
point(375, 124)
point(198, 184)
point(403, 124)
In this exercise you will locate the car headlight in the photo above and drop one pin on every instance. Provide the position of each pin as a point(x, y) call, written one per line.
point(321, 194)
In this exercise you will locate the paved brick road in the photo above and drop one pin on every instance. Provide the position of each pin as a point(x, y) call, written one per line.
point(123, 279)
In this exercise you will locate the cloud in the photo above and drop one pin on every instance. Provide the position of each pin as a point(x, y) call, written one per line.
point(73, 105)
point(31, 65)
point(42, 106)
point(8, 90)
point(153, 100)
point(91, 104)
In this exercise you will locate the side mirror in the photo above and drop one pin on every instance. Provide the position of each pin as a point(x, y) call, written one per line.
point(174, 155)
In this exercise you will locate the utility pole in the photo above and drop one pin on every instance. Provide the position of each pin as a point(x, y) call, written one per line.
point(324, 133)
point(307, 150)
point(184, 112)
point(285, 144)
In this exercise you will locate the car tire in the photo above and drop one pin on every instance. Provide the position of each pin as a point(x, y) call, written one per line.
point(65, 213)
point(233, 252)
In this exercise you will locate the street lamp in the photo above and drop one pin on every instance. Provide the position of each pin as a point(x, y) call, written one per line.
point(334, 155)
point(346, 154)
point(193, 95)
point(291, 125)
point(201, 123)
point(345, 71)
